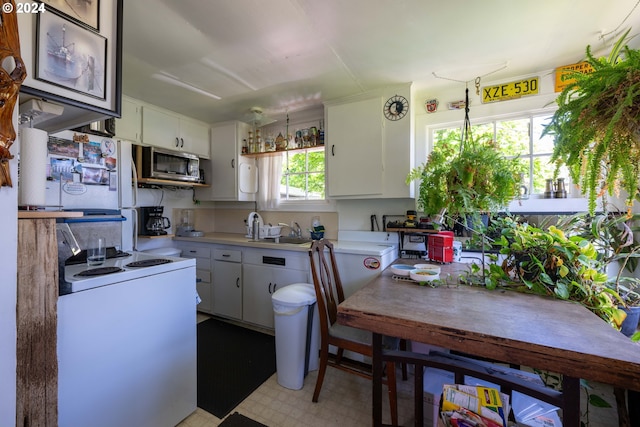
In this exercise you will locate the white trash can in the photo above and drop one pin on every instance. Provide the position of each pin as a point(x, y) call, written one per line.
point(297, 333)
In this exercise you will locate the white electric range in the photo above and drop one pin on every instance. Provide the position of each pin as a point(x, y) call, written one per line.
point(121, 268)
point(127, 343)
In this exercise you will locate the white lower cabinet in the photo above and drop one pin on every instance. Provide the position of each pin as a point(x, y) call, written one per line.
point(260, 284)
point(202, 255)
point(237, 282)
point(264, 272)
point(227, 283)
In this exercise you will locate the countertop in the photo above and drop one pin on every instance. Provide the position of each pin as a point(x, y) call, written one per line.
point(340, 246)
point(48, 214)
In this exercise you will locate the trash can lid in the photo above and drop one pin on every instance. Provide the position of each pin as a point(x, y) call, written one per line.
point(295, 295)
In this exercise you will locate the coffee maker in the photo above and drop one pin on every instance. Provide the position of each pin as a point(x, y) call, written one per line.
point(151, 222)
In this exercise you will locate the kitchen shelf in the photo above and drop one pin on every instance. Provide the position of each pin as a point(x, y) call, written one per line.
point(48, 214)
point(276, 153)
point(154, 181)
point(163, 236)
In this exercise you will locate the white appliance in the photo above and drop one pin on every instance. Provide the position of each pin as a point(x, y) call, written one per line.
point(128, 195)
point(363, 255)
point(97, 173)
point(127, 344)
point(84, 175)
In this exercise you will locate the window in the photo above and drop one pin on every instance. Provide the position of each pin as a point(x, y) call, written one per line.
point(303, 175)
point(520, 137)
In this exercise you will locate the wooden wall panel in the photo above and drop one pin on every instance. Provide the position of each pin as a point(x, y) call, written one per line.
point(37, 363)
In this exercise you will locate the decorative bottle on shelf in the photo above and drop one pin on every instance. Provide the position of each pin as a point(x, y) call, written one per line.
point(251, 146)
point(245, 147)
point(321, 133)
point(259, 143)
point(561, 192)
point(549, 191)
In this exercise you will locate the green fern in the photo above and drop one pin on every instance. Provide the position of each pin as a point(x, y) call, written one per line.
point(597, 125)
point(478, 179)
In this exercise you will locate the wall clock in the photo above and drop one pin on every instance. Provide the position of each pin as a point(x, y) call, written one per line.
point(396, 107)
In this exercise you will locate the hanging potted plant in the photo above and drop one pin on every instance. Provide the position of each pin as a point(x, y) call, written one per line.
point(475, 180)
point(597, 125)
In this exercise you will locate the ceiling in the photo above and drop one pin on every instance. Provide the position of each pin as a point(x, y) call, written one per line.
point(292, 55)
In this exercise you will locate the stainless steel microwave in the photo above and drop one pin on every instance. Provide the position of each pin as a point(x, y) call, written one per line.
point(153, 162)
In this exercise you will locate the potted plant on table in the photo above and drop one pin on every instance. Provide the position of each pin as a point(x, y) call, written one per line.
point(596, 126)
point(549, 262)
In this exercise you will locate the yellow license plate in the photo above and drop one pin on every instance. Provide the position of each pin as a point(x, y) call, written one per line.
point(511, 90)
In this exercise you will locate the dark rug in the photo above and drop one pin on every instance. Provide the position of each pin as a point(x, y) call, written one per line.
point(232, 362)
point(239, 420)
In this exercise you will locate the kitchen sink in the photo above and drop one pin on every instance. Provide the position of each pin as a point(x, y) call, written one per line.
point(286, 240)
point(295, 240)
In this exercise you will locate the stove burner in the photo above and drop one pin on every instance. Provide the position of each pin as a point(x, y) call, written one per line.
point(148, 262)
point(99, 271)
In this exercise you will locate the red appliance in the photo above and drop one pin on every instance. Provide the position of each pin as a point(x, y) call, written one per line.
point(440, 246)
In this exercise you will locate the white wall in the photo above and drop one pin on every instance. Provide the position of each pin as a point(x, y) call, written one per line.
point(8, 284)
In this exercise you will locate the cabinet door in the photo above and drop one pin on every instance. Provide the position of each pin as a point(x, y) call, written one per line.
point(355, 137)
point(205, 290)
point(160, 129)
point(260, 282)
point(129, 126)
point(202, 255)
point(194, 138)
point(227, 289)
point(231, 176)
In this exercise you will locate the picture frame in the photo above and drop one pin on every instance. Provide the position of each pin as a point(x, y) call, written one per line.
point(76, 103)
point(85, 12)
point(70, 56)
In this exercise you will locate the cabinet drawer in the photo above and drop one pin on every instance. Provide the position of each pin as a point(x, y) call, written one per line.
point(278, 259)
point(203, 275)
point(230, 255)
point(196, 252)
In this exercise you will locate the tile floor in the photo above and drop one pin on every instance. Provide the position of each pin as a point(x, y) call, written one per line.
point(345, 400)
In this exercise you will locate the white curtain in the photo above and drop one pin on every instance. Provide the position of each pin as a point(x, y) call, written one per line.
point(269, 176)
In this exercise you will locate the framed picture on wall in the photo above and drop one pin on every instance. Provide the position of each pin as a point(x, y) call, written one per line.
point(94, 95)
point(86, 12)
point(69, 55)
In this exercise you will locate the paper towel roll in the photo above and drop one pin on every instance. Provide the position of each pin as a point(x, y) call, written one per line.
point(32, 179)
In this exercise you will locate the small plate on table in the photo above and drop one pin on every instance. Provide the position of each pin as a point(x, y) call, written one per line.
point(424, 275)
point(401, 269)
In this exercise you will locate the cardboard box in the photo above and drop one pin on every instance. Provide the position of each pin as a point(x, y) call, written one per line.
point(434, 380)
point(531, 412)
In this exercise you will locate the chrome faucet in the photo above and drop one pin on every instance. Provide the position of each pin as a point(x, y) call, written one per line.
point(295, 231)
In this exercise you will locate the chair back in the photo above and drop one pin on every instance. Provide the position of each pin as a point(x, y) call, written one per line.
point(326, 281)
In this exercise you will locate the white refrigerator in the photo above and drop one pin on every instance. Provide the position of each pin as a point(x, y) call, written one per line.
point(128, 196)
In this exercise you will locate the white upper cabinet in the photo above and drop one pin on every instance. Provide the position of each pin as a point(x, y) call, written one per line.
point(354, 148)
point(164, 129)
point(230, 175)
point(195, 137)
point(368, 155)
point(129, 126)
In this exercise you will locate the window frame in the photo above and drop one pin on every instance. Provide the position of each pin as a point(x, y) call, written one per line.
point(285, 166)
point(494, 120)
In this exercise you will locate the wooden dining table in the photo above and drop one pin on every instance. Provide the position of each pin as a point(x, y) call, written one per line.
point(549, 334)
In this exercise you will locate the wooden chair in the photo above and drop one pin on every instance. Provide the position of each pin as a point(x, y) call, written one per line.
point(329, 293)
